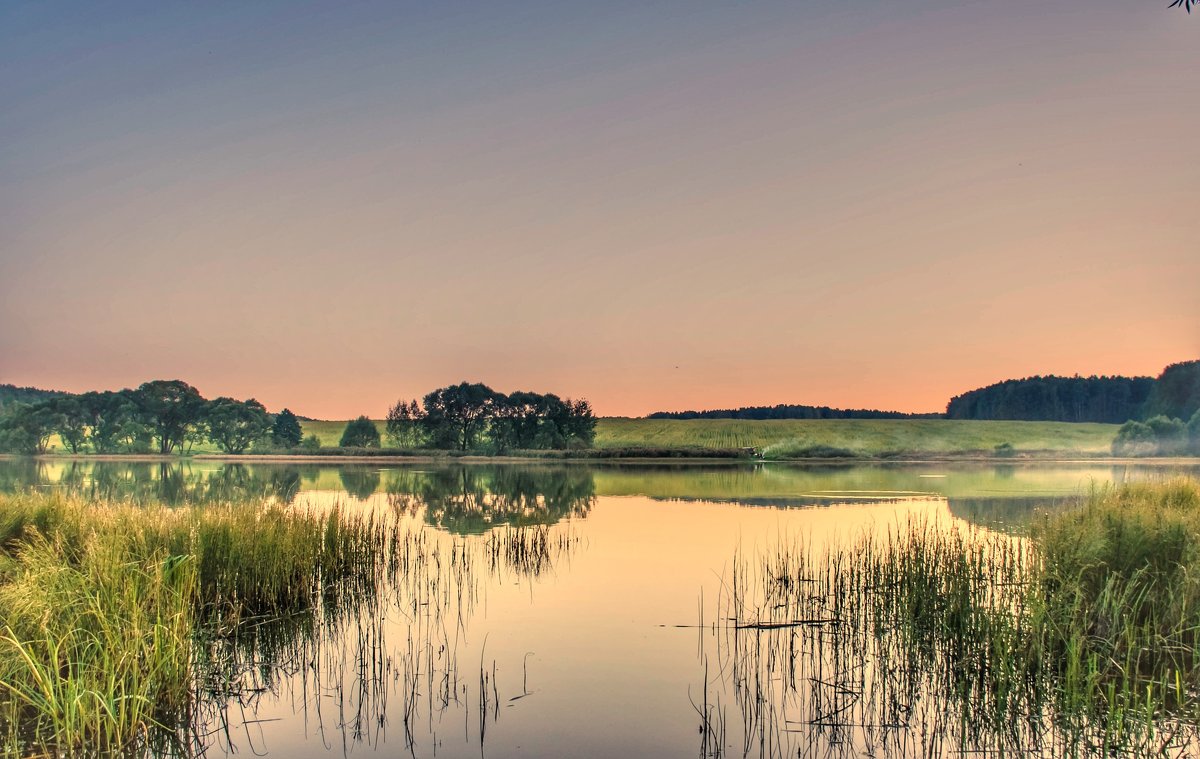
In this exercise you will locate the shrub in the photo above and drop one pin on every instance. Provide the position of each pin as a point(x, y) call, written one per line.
point(360, 433)
point(1135, 439)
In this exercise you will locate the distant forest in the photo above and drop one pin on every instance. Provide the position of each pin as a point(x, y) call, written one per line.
point(10, 394)
point(788, 411)
point(1175, 394)
point(1112, 400)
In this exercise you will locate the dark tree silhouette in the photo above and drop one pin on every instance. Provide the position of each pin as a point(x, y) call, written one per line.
point(286, 431)
point(360, 433)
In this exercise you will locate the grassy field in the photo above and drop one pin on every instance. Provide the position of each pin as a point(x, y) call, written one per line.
point(865, 437)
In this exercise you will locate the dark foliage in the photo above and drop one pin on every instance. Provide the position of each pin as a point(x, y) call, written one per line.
point(172, 409)
point(235, 425)
point(10, 394)
point(360, 433)
point(286, 431)
point(473, 417)
point(789, 411)
point(1060, 399)
point(1176, 392)
point(26, 428)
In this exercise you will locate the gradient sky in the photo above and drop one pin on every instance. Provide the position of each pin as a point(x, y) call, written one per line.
point(652, 205)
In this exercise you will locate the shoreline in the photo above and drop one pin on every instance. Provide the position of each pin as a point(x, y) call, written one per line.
point(278, 458)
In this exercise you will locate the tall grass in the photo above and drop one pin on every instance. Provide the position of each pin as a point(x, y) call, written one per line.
point(1079, 639)
point(99, 602)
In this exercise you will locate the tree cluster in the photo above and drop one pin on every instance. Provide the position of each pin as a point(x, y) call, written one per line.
point(473, 417)
point(161, 416)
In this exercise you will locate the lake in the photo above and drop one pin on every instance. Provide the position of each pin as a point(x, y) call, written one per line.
point(575, 609)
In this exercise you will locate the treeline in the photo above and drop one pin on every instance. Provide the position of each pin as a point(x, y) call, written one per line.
point(789, 411)
point(1175, 394)
point(10, 394)
point(170, 416)
point(1111, 400)
point(161, 416)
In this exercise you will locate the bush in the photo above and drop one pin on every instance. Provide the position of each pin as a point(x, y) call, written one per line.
point(310, 443)
point(1005, 450)
point(1170, 434)
point(1135, 439)
point(360, 433)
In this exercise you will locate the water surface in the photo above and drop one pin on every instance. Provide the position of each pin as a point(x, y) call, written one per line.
point(604, 642)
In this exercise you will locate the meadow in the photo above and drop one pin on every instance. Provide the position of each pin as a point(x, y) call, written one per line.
point(825, 438)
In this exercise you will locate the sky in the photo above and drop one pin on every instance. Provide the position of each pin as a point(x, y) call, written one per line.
point(653, 205)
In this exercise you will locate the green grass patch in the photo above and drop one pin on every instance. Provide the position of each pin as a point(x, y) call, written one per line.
point(816, 438)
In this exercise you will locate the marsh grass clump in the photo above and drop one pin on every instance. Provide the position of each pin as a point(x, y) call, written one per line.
point(100, 603)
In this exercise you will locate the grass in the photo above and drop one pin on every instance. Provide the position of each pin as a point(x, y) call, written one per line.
point(820, 438)
point(1080, 639)
point(838, 438)
point(100, 602)
point(127, 628)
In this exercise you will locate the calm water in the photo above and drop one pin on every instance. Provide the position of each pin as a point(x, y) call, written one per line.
point(603, 644)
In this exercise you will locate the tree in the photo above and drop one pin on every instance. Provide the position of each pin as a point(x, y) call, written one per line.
point(115, 421)
point(73, 423)
point(1176, 392)
point(456, 416)
point(1193, 427)
point(360, 433)
point(26, 428)
point(286, 431)
point(517, 419)
point(172, 409)
point(404, 424)
point(234, 425)
point(581, 423)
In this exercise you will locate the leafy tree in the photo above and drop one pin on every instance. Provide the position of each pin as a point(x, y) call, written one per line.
point(517, 420)
point(73, 421)
point(286, 431)
point(234, 425)
point(360, 433)
point(1193, 427)
point(172, 409)
point(311, 443)
point(26, 428)
point(115, 421)
point(456, 416)
point(1176, 392)
point(404, 424)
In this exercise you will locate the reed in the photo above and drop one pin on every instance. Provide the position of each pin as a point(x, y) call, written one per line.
point(1080, 638)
